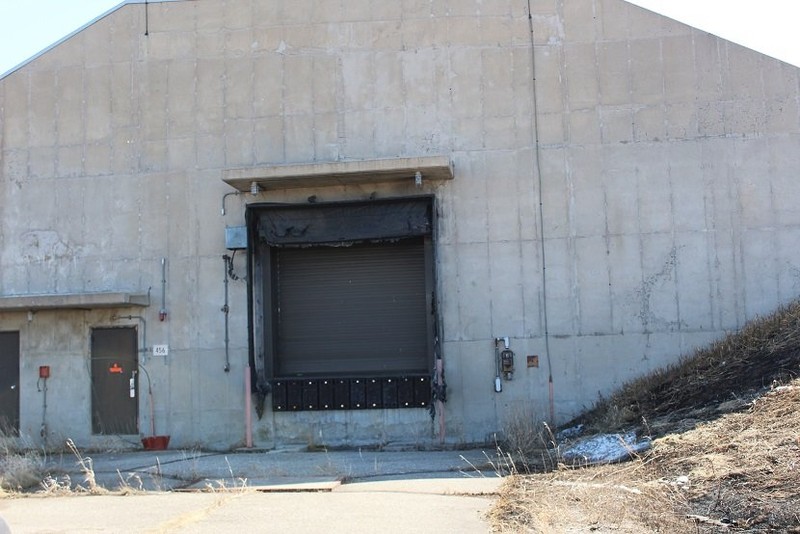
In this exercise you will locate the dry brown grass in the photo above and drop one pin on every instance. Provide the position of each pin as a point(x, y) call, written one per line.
point(741, 470)
point(766, 350)
point(728, 458)
point(744, 467)
point(24, 470)
point(524, 432)
point(599, 499)
point(20, 471)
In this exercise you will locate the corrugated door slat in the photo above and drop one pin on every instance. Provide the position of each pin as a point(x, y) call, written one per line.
point(356, 309)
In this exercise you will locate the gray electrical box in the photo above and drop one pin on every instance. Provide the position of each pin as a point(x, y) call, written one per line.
point(235, 237)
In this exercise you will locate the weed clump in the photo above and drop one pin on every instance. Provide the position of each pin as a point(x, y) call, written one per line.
point(20, 471)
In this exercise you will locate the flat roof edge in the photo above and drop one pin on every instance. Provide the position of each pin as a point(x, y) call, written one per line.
point(72, 301)
point(340, 173)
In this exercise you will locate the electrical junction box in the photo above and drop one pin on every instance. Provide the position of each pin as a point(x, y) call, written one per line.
point(235, 237)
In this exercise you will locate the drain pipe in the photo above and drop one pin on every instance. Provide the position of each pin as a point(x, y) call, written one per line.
point(225, 309)
point(248, 417)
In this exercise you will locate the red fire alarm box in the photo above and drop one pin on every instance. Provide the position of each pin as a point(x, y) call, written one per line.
point(44, 371)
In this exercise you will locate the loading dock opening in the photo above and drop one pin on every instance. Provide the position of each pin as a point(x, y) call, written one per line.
point(342, 293)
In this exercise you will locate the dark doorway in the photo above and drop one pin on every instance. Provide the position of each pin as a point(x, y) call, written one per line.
point(114, 381)
point(360, 309)
point(9, 383)
point(342, 290)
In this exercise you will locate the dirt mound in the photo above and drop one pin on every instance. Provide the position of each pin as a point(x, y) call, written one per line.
point(743, 468)
point(734, 370)
point(740, 472)
point(726, 455)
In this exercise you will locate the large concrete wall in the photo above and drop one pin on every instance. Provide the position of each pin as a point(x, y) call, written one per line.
point(668, 160)
point(668, 164)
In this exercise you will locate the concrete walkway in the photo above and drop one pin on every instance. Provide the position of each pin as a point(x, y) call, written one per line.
point(192, 491)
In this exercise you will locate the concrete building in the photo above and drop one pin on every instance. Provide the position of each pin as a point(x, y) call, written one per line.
point(334, 195)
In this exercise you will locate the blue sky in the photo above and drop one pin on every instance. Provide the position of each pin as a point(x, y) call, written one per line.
point(769, 26)
point(29, 26)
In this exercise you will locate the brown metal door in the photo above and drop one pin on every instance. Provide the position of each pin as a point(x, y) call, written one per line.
point(114, 381)
point(9, 383)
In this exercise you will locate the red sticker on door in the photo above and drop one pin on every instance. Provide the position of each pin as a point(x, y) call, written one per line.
point(115, 369)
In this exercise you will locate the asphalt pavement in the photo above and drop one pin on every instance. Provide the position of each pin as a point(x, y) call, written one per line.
point(262, 491)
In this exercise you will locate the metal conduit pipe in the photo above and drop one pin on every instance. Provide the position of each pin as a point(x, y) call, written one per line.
point(225, 310)
point(226, 195)
point(141, 319)
point(150, 400)
point(43, 388)
point(538, 167)
point(162, 313)
point(149, 387)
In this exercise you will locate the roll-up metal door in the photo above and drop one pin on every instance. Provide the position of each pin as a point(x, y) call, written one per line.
point(351, 310)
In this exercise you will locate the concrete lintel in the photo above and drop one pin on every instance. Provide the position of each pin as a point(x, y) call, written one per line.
point(340, 173)
point(73, 301)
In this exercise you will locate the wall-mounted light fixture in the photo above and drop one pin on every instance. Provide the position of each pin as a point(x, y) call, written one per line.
point(254, 188)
